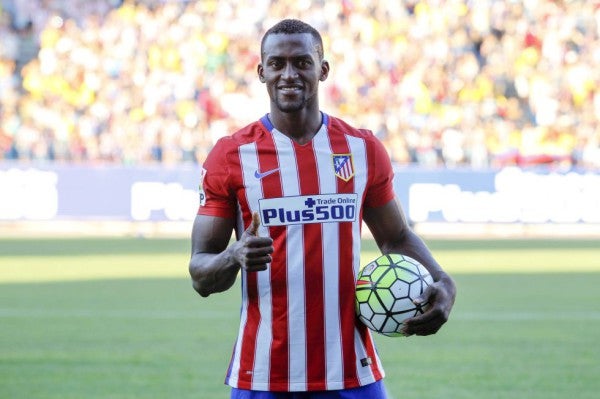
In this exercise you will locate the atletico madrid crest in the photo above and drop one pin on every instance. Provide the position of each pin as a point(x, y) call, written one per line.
point(343, 167)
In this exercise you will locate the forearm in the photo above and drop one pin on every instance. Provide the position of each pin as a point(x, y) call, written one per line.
point(393, 235)
point(444, 287)
point(412, 245)
point(213, 273)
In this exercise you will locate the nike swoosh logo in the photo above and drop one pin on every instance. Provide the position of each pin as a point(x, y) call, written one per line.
point(259, 175)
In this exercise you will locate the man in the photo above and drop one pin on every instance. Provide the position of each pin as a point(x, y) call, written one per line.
point(295, 186)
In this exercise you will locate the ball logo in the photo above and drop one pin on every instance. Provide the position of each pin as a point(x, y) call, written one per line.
point(321, 208)
point(369, 268)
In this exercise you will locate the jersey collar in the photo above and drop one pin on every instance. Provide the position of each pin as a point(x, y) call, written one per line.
point(267, 122)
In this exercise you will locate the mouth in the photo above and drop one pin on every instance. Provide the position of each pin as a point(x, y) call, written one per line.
point(290, 89)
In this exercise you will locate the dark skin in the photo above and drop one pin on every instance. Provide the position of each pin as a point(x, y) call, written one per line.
point(291, 69)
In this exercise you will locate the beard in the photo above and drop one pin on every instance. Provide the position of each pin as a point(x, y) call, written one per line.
point(292, 105)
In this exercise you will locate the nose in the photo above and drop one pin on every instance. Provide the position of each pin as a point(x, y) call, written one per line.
point(289, 71)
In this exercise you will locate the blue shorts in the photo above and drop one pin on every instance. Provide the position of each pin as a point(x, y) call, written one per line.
point(375, 390)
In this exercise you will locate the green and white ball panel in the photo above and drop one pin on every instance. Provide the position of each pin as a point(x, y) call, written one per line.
point(385, 290)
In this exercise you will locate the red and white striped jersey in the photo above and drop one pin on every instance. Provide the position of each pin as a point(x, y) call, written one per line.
point(298, 328)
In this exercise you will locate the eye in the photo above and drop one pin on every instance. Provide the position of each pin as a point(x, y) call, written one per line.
point(276, 64)
point(304, 63)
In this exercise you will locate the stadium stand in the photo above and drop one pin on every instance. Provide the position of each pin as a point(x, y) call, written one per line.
point(442, 83)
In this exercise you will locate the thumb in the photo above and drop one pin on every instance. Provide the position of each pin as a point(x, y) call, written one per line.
point(424, 297)
point(253, 228)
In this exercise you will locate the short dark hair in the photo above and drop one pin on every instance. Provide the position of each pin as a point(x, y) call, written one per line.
point(292, 26)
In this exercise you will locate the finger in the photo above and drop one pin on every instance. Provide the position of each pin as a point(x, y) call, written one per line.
point(424, 297)
point(257, 263)
point(420, 323)
point(424, 324)
point(421, 319)
point(254, 224)
point(256, 268)
point(253, 229)
point(417, 327)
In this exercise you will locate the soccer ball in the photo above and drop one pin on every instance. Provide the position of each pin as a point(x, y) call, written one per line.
point(385, 290)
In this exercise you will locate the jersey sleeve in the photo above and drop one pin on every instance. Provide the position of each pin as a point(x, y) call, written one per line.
point(380, 189)
point(216, 196)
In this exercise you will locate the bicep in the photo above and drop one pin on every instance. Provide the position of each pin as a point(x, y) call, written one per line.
point(388, 224)
point(211, 234)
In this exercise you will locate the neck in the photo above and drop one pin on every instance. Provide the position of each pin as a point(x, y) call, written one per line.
point(298, 126)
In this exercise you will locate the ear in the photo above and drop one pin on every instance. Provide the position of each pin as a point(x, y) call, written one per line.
point(324, 70)
point(259, 70)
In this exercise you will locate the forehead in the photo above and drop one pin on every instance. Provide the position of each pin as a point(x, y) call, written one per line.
point(295, 44)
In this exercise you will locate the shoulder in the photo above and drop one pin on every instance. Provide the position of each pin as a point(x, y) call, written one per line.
point(229, 145)
point(372, 143)
point(250, 133)
point(341, 126)
point(247, 134)
point(377, 152)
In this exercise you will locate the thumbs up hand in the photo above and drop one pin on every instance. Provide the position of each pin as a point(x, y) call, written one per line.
point(252, 251)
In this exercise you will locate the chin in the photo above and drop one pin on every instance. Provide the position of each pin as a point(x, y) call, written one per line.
point(290, 108)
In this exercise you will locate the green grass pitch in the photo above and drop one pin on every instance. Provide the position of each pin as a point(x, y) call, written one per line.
point(117, 318)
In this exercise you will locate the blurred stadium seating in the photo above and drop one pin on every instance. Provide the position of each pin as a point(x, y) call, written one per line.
point(443, 83)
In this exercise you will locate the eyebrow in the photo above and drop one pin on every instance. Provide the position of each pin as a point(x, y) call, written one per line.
point(280, 57)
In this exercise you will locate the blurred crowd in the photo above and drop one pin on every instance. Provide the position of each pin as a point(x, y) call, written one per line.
point(451, 83)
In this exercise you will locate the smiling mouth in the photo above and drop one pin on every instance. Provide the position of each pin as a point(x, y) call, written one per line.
point(289, 89)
